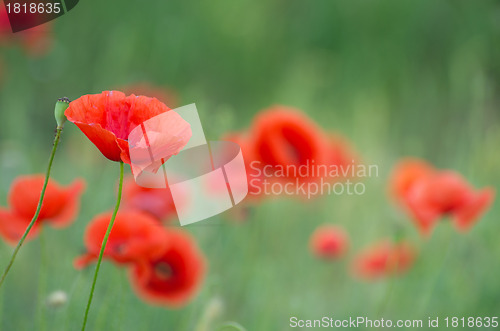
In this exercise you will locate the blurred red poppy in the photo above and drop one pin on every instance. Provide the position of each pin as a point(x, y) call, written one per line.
point(283, 145)
point(157, 202)
point(429, 194)
point(284, 137)
point(36, 41)
point(382, 259)
point(59, 207)
point(447, 193)
point(329, 242)
point(108, 118)
point(405, 174)
point(173, 278)
point(135, 236)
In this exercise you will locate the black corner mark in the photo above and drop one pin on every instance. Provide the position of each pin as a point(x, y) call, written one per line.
point(70, 4)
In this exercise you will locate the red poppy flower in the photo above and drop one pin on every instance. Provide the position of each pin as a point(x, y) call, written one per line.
point(157, 202)
point(173, 278)
point(59, 208)
point(405, 174)
point(383, 259)
point(284, 137)
point(429, 194)
point(135, 235)
point(108, 118)
point(329, 242)
point(447, 193)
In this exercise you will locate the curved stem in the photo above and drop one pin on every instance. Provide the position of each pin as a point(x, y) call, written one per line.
point(38, 208)
point(103, 246)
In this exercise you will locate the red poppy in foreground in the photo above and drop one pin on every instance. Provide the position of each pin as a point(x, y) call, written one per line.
point(135, 236)
point(59, 209)
point(383, 259)
point(108, 118)
point(173, 278)
point(329, 242)
point(429, 194)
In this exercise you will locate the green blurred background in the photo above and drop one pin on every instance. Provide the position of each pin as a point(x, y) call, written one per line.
point(396, 77)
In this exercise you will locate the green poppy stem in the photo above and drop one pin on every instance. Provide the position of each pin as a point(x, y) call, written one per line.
point(38, 208)
point(103, 246)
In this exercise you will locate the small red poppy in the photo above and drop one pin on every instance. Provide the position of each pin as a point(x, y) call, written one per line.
point(405, 174)
point(173, 278)
point(329, 242)
point(108, 118)
point(383, 259)
point(429, 194)
point(135, 236)
point(447, 193)
point(59, 208)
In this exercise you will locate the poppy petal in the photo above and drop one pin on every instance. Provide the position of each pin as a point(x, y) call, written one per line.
point(84, 260)
point(71, 206)
point(384, 258)
point(108, 118)
point(104, 140)
point(25, 193)
point(135, 235)
point(466, 216)
point(173, 278)
point(12, 227)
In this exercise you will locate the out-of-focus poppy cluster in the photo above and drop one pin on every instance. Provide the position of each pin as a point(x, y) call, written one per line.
point(165, 265)
point(429, 194)
point(280, 137)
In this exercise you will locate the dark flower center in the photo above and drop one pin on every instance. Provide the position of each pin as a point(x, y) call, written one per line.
point(163, 270)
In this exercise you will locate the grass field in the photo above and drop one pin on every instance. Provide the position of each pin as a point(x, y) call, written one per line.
point(396, 78)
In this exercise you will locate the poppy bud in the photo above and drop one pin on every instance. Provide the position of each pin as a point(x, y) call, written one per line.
point(61, 106)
